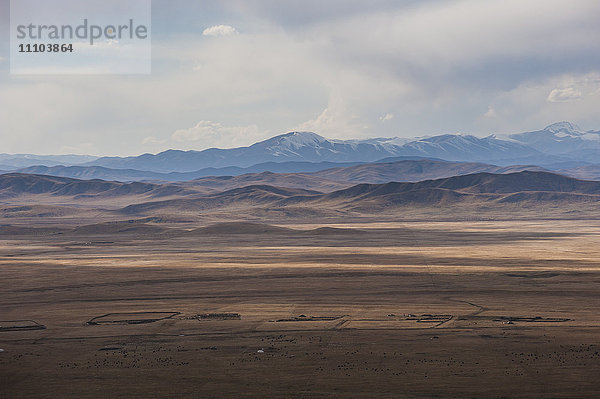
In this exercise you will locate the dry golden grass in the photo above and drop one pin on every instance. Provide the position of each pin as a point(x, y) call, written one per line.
point(334, 315)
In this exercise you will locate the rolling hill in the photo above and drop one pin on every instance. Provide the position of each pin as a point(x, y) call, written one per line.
point(130, 175)
point(482, 188)
point(323, 180)
point(245, 191)
point(18, 184)
point(35, 199)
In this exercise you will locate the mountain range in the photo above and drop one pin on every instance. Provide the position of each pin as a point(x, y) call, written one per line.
point(558, 143)
point(563, 139)
point(13, 161)
point(310, 147)
point(561, 147)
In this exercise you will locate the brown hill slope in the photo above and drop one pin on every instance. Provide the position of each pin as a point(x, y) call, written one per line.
point(290, 180)
point(15, 184)
point(530, 187)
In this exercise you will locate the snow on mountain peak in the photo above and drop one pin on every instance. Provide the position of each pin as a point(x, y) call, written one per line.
point(300, 139)
point(563, 127)
point(292, 140)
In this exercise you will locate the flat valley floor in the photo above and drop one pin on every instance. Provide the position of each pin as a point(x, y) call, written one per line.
point(498, 309)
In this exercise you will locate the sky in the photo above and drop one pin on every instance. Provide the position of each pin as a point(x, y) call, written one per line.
point(230, 73)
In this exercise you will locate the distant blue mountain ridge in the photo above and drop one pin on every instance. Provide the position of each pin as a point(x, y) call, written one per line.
point(557, 146)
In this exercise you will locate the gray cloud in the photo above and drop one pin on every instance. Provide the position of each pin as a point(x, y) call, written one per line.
point(437, 66)
point(304, 14)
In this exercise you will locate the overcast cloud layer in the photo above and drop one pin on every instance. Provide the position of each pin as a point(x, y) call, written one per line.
point(230, 75)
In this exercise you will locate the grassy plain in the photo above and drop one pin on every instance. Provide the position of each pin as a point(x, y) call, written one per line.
point(367, 309)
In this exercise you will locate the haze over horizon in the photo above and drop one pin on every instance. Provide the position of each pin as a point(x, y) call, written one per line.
point(229, 75)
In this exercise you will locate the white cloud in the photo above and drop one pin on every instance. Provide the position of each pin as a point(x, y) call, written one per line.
point(220, 30)
point(564, 95)
point(386, 117)
point(208, 134)
point(490, 113)
point(2, 60)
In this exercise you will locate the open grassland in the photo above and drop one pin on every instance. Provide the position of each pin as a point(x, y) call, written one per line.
point(473, 309)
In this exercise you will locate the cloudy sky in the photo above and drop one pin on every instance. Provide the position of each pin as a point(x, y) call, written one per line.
point(229, 73)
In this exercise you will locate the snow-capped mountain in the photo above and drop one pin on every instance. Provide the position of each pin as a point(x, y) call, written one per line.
point(293, 146)
point(310, 147)
point(455, 147)
point(560, 143)
point(562, 138)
